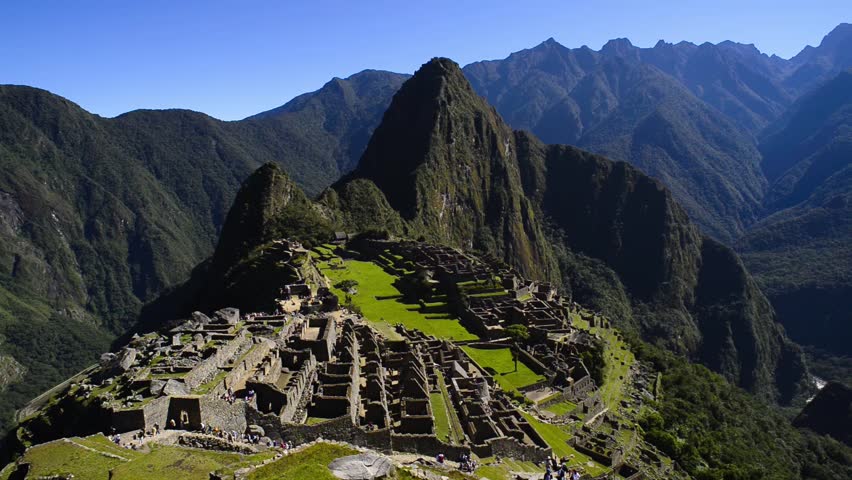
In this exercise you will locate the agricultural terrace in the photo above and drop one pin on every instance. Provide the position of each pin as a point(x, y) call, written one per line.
point(617, 362)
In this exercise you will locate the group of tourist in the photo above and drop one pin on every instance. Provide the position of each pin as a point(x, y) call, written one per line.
point(555, 469)
point(251, 438)
point(136, 440)
point(467, 464)
point(231, 397)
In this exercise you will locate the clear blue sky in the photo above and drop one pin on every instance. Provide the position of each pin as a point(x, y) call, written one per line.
point(231, 59)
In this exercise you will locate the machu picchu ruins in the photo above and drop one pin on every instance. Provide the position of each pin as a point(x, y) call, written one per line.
point(317, 368)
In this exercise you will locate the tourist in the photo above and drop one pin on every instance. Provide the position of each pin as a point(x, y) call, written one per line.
point(440, 458)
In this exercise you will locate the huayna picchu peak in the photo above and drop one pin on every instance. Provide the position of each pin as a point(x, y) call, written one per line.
point(617, 263)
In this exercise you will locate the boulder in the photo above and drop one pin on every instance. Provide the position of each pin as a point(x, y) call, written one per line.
point(364, 466)
point(107, 359)
point(175, 387)
point(127, 359)
point(229, 316)
point(157, 387)
point(256, 430)
point(200, 318)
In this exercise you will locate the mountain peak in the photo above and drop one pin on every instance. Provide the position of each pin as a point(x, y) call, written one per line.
point(439, 67)
point(549, 43)
point(422, 120)
point(618, 46)
point(840, 33)
point(251, 220)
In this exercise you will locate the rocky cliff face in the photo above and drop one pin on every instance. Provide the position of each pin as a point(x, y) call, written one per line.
point(455, 173)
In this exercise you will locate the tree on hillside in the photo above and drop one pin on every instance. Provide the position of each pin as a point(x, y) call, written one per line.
point(518, 334)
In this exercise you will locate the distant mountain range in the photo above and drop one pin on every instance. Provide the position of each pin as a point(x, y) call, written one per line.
point(99, 216)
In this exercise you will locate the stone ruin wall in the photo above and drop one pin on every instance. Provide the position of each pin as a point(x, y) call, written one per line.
point(224, 415)
point(209, 367)
point(240, 372)
point(303, 379)
point(156, 412)
point(512, 448)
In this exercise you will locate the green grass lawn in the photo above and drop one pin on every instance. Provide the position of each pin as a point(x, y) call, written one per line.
point(63, 458)
point(182, 464)
point(447, 425)
point(442, 418)
point(103, 444)
point(502, 470)
point(309, 464)
point(500, 361)
point(315, 420)
point(456, 431)
point(381, 303)
point(556, 437)
point(561, 408)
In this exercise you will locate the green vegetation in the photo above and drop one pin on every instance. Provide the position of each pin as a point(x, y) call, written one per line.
point(311, 463)
point(447, 426)
point(315, 420)
point(561, 408)
point(182, 464)
point(95, 457)
point(624, 244)
point(63, 457)
point(519, 334)
point(801, 253)
point(609, 362)
point(717, 431)
point(442, 417)
point(382, 303)
point(556, 436)
point(210, 385)
point(456, 432)
point(500, 363)
point(502, 471)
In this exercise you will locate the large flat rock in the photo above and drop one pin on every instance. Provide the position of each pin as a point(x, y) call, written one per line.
point(364, 466)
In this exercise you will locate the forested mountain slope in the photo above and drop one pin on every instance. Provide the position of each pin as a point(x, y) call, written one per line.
point(801, 253)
